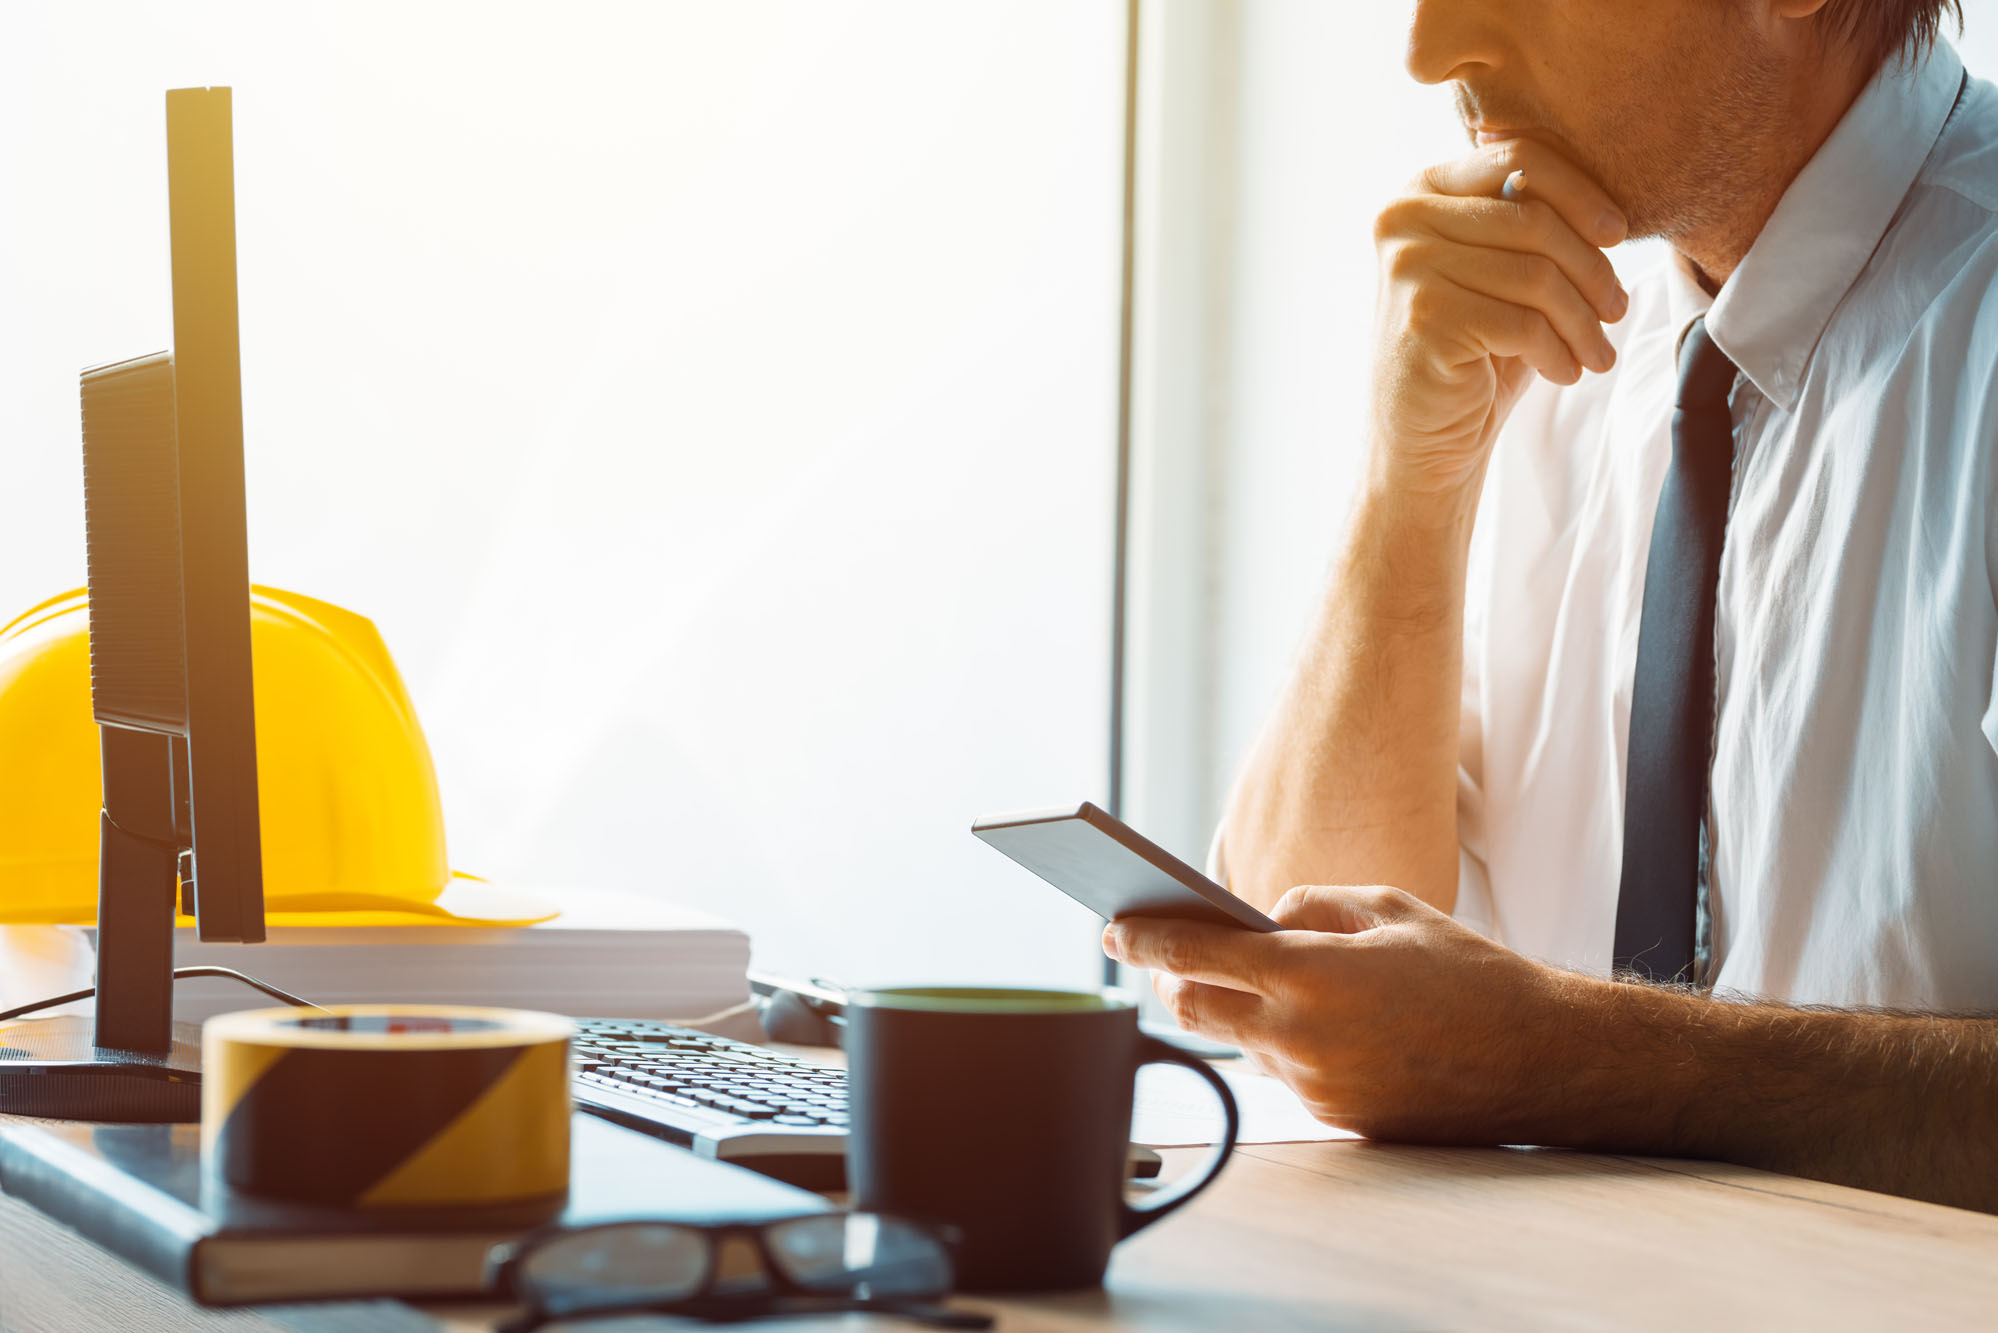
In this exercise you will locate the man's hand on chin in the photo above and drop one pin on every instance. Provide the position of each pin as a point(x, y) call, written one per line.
point(1383, 1014)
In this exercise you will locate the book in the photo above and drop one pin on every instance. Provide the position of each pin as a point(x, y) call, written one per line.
point(609, 955)
point(139, 1192)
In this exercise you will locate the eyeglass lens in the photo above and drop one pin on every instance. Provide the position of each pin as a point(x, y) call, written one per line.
point(863, 1254)
point(647, 1263)
point(643, 1263)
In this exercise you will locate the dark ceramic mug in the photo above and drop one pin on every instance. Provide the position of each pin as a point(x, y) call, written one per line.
point(1006, 1114)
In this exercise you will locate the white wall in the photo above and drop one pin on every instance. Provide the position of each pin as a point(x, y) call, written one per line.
point(712, 404)
point(1978, 42)
point(1187, 148)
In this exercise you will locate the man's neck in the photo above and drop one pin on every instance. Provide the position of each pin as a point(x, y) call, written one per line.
point(1820, 96)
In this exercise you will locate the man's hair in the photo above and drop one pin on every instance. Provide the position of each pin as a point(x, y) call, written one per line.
point(1881, 28)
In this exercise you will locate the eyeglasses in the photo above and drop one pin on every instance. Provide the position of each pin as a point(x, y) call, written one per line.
point(823, 1262)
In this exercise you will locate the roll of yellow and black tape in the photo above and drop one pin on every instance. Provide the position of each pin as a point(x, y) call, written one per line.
point(387, 1106)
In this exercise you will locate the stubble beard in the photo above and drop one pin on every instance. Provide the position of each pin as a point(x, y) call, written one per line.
point(1696, 157)
point(1707, 188)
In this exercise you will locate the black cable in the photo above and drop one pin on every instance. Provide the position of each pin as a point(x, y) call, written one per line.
point(282, 997)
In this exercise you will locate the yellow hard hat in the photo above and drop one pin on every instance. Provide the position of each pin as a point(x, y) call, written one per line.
point(353, 831)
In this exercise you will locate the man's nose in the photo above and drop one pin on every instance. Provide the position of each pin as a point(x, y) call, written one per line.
point(1446, 36)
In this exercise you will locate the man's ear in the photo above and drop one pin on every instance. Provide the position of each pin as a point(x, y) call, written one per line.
point(1796, 9)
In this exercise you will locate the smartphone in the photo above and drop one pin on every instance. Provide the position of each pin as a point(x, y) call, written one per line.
point(1112, 869)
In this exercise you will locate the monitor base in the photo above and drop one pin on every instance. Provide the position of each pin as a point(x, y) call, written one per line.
point(53, 1067)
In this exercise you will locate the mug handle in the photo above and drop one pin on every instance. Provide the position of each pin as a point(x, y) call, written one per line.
point(1152, 1051)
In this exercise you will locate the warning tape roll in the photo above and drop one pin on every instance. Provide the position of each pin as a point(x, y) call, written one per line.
point(386, 1106)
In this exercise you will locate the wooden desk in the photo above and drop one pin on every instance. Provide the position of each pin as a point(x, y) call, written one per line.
point(1338, 1235)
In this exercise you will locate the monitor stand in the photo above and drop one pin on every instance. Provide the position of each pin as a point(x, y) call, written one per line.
point(131, 1062)
point(53, 1067)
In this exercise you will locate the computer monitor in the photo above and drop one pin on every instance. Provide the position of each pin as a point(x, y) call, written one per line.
point(171, 684)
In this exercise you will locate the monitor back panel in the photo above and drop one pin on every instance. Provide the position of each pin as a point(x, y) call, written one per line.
point(131, 508)
point(221, 728)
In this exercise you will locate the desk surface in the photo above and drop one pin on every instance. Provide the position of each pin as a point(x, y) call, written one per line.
point(1341, 1235)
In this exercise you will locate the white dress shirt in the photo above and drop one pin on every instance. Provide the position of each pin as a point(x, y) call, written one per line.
point(1853, 810)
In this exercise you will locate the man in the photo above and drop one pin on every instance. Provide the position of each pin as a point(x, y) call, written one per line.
point(1695, 722)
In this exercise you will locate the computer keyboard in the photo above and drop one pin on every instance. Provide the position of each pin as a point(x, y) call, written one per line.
point(725, 1099)
point(728, 1100)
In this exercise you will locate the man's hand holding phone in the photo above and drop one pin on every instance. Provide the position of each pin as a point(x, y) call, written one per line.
point(1381, 1013)
point(1479, 292)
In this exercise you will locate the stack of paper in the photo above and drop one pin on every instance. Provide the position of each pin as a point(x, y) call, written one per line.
point(608, 955)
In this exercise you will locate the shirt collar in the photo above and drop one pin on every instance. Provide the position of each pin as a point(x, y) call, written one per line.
point(1772, 310)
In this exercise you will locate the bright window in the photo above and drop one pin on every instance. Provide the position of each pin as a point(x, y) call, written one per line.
point(712, 404)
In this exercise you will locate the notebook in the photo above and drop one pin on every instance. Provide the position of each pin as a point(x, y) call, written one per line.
point(138, 1191)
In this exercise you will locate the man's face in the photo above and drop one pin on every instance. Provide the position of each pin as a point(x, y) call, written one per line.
point(1660, 100)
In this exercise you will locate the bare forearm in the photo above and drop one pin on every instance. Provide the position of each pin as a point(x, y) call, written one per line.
point(1354, 777)
point(1903, 1103)
point(1385, 1016)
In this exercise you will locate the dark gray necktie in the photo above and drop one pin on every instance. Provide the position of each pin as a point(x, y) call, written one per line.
point(1672, 700)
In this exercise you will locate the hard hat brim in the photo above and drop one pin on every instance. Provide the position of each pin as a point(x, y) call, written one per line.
point(466, 900)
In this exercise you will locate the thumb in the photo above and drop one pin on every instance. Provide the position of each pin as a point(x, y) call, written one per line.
point(1342, 909)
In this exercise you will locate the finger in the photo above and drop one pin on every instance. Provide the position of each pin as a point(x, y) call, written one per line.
point(1223, 955)
point(1573, 194)
point(1529, 227)
point(1215, 1012)
point(1345, 909)
point(1486, 326)
point(1534, 281)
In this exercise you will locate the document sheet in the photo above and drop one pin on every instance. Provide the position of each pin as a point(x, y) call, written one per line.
point(1176, 1109)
